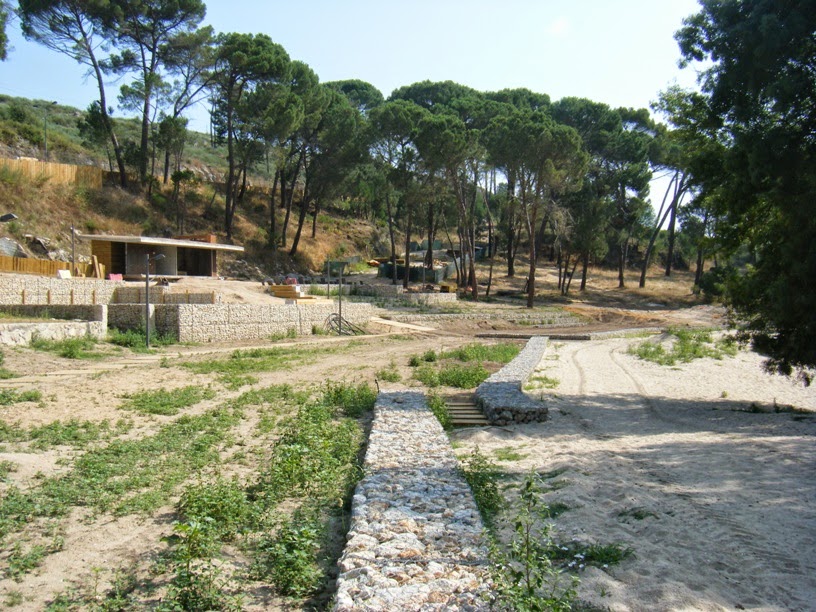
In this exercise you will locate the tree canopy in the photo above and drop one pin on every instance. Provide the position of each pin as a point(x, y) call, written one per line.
point(759, 92)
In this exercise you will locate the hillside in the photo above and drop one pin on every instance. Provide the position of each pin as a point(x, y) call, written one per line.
point(47, 210)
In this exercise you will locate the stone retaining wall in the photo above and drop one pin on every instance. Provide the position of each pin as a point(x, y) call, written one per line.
point(380, 290)
point(415, 541)
point(501, 397)
point(226, 322)
point(163, 295)
point(430, 299)
point(95, 324)
point(554, 319)
point(19, 289)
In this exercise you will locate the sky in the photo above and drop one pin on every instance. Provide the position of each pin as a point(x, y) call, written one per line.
point(620, 52)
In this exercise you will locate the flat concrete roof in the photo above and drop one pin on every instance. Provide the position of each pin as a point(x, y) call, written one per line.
point(151, 241)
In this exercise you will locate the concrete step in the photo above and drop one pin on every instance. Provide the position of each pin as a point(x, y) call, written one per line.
point(464, 412)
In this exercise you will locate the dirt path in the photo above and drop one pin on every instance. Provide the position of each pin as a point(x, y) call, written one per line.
point(715, 501)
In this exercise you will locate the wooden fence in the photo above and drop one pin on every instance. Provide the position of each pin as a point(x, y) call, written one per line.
point(44, 267)
point(62, 174)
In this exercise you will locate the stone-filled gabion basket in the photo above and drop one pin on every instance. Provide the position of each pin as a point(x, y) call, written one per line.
point(501, 397)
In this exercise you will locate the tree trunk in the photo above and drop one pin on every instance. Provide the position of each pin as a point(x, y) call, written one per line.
point(645, 265)
point(391, 238)
point(304, 205)
point(106, 121)
point(287, 204)
point(290, 196)
point(408, 221)
point(621, 265)
point(145, 136)
point(698, 273)
point(584, 271)
point(273, 220)
point(455, 262)
point(511, 226)
point(166, 171)
point(672, 224)
point(229, 196)
point(314, 220)
point(511, 253)
point(570, 275)
point(431, 233)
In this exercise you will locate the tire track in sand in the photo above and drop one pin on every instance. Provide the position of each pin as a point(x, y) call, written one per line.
point(733, 547)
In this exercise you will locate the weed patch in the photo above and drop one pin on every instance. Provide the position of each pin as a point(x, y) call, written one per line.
point(508, 453)
point(136, 339)
point(350, 400)
point(482, 476)
point(167, 403)
point(289, 557)
point(539, 381)
point(222, 503)
point(125, 476)
point(686, 345)
point(12, 396)
point(500, 353)
point(466, 376)
point(69, 348)
point(234, 370)
point(389, 374)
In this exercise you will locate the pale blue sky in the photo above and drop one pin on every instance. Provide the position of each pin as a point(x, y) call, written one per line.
point(620, 52)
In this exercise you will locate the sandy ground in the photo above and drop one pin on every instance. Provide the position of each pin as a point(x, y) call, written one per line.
point(725, 492)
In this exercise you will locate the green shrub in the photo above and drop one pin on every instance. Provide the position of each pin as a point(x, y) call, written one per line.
point(439, 408)
point(466, 376)
point(427, 375)
point(289, 558)
point(352, 401)
point(714, 282)
point(223, 502)
point(429, 356)
point(482, 476)
point(524, 576)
